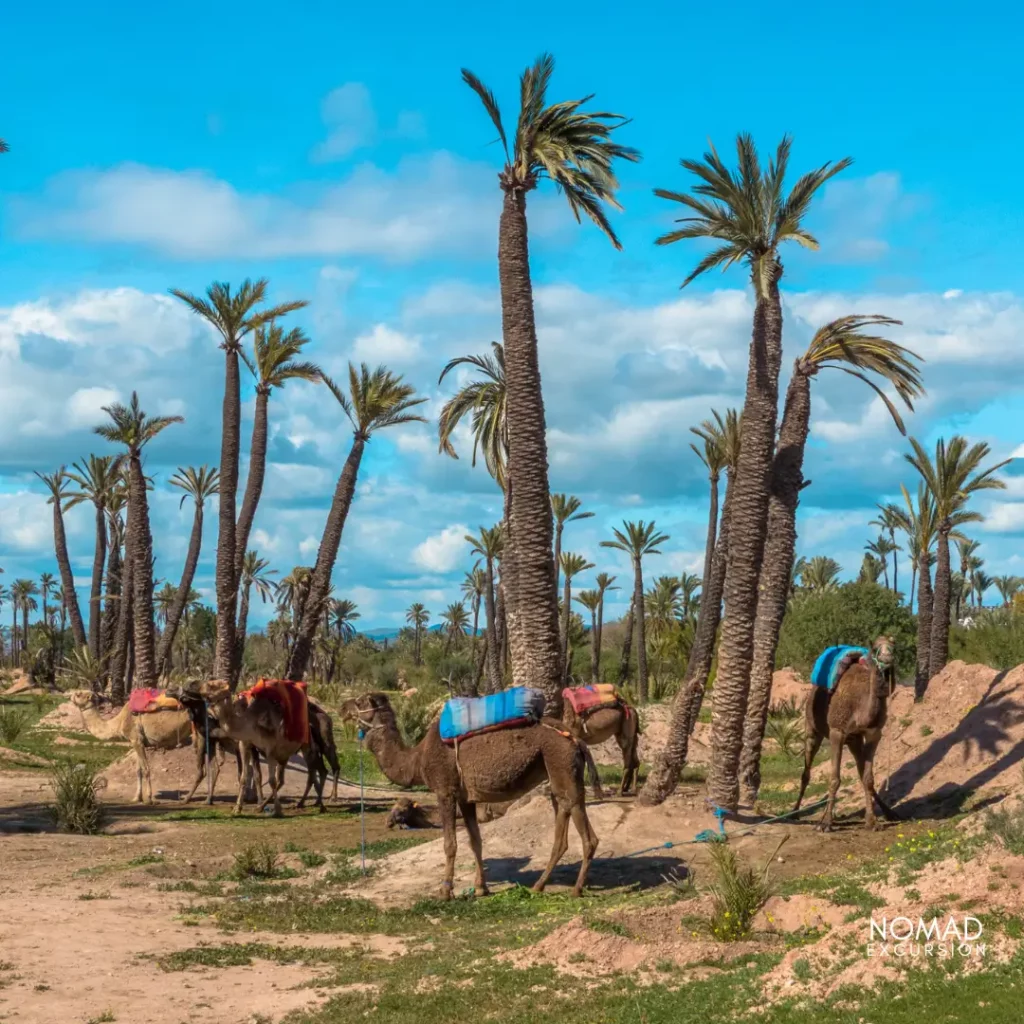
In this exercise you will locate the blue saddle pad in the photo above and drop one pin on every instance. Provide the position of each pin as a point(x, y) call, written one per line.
point(464, 716)
point(833, 662)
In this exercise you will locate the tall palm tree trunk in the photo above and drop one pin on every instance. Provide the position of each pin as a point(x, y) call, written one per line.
point(119, 654)
point(913, 584)
point(687, 704)
point(113, 591)
point(709, 545)
point(177, 608)
point(493, 650)
point(67, 579)
point(143, 632)
point(627, 642)
point(566, 612)
point(640, 623)
point(14, 634)
point(320, 579)
point(534, 639)
point(776, 570)
point(749, 515)
point(254, 480)
point(24, 625)
point(598, 638)
point(924, 627)
point(595, 657)
point(225, 576)
point(939, 647)
point(240, 629)
point(99, 559)
point(501, 625)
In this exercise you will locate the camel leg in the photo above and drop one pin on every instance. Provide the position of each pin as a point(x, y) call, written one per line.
point(856, 744)
point(627, 739)
point(200, 769)
point(476, 845)
point(868, 781)
point(214, 772)
point(446, 808)
point(560, 844)
point(142, 770)
point(588, 840)
point(280, 769)
point(836, 740)
point(274, 785)
point(812, 742)
point(592, 777)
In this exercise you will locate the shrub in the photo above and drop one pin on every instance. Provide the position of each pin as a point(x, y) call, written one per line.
point(1009, 826)
point(76, 807)
point(739, 892)
point(854, 613)
point(788, 733)
point(257, 860)
point(12, 722)
point(311, 859)
point(415, 713)
point(995, 639)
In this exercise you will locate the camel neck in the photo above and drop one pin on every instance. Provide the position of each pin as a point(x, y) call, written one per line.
point(104, 728)
point(397, 761)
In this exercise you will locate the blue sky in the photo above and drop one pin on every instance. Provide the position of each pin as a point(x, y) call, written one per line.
point(336, 151)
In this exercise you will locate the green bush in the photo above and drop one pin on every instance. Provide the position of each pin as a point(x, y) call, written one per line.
point(996, 639)
point(1009, 826)
point(257, 860)
point(415, 713)
point(12, 722)
point(854, 613)
point(739, 892)
point(76, 807)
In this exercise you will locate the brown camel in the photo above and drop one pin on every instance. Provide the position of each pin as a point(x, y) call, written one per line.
point(851, 715)
point(491, 767)
point(619, 721)
point(159, 730)
point(260, 722)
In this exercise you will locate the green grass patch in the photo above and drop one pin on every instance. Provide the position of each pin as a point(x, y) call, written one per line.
point(243, 954)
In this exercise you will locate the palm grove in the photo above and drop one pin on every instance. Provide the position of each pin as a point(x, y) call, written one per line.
point(522, 582)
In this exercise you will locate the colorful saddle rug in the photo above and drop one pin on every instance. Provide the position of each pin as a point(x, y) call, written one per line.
point(586, 699)
point(463, 717)
point(144, 702)
point(291, 697)
point(833, 662)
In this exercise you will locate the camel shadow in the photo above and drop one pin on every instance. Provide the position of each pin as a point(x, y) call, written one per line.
point(984, 730)
point(605, 872)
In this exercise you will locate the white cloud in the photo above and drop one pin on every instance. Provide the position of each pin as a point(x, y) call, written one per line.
point(85, 407)
point(429, 205)
point(443, 551)
point(352, 123)
point(1004, 517)
point(383, 344)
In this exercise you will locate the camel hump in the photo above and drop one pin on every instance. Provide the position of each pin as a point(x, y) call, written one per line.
point(833, 662)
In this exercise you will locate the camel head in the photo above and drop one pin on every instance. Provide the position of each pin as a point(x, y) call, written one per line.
point(368, 710)
point(883, 654)
point(83, 699)
point(214, 691)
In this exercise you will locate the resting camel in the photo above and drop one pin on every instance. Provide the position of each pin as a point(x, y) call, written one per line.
point(491, 767)
point(260, 723)
point(602, 724)
point(853, 715)
point(159, 730)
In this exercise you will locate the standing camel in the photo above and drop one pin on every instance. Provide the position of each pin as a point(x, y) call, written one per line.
point(851, 715)
point(260, 722)
point(619, 721)
point(154, 730)
point(489, 768)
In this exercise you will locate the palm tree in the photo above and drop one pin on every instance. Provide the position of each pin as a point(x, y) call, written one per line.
point(455, 619)
point(572, 565)
point(1008, 587)
point(751, 216)
point(473, 586)
point(952, 477)
point(485, 399)
point(604, 584)
point(342, 614)
point(687, 703)
point(232, 316)
point(417, 616)
point(574, 149)
point(5, 595)
point(689, 596)
point(591, 600)
point(47, 583)
point(638, 540)
point(96, 477)
point(129, 425)
point(162, 601)
point(870, 569)
point(22, 600)
point(256, 572)
point(116, 504)
point(712, 454)
point(376, 399)
point(200, 485)
point(57, 484)
point(275, 362)
point(889, 519)
point(881, 549)
point(489, 544)
point(842, 344)
point(969, 564)
point(293, 592)
point(981, 581)
point(566, 509)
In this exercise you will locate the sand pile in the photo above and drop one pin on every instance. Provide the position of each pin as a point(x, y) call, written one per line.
point(654, 721)
point(789, 687)
point(967, 734)
point(65, 716)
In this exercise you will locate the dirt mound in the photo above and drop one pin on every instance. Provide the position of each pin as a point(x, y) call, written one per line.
point(789, 687)
point(19, 683)
point(654, 723)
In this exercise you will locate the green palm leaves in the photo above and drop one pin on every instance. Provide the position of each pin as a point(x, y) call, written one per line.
point(375, 399)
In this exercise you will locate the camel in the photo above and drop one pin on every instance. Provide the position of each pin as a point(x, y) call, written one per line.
point(322, 727)
point(853, 715)
point(260, 722)
point(492, 767)
point(408, 814)
point(159, 730)
point(602, 724)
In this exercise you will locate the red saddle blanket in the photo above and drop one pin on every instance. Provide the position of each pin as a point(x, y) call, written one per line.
point(584, 699)
point(143, 702)
point(291, 698)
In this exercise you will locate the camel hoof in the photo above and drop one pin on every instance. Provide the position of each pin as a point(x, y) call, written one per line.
point(321, 809)
point(826, 826)
point(537, 887)
point(446, 893)
point(481, 890)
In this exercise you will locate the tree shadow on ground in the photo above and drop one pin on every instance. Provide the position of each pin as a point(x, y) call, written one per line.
point(605, 872)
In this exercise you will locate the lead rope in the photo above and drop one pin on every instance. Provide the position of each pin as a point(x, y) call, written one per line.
point(362, 807)
point(209, 775)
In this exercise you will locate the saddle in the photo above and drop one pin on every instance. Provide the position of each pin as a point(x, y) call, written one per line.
point(149, 701)
point(291, 698)
point(463, 717)
point(833, 662)
point(585, 700)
